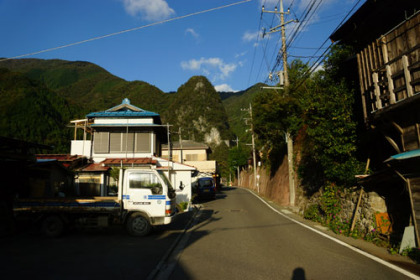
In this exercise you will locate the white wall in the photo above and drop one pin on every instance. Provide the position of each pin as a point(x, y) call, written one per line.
point(185, 194)
point(80, 147)
point(123, 121)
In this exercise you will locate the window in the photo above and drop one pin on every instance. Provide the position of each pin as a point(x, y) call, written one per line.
point(89, 186)
point(115, 142)
point(145, 181)
point(205, 183)
point(192, 157)
point(143, 143)
point(121, 142)
point(101, 142)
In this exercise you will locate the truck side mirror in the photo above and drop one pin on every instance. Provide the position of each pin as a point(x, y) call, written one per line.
point(171, 193)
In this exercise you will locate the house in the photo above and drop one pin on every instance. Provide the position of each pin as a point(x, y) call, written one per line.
point(385, 37)
point(49, 178)
point(192, 153)
point(17, 158)
point(121, 137)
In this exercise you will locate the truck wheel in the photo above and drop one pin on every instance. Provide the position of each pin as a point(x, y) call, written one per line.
point(53, 226)
point(137, 225)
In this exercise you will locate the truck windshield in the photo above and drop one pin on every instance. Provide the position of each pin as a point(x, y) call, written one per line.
point(167, 182)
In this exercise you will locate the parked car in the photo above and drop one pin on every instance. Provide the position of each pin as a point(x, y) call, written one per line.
point(205, 188)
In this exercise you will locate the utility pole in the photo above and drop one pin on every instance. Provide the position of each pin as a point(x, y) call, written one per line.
point(253, 148)
point(180, 145)
point(237, 167)
point(288, 136)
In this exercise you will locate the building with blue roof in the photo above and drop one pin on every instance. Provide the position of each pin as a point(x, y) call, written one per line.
point(123, 131)
point(124, 136)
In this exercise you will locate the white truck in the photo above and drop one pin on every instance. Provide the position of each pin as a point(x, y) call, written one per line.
point(145, 198)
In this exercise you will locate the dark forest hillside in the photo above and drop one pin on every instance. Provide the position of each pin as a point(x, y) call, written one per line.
point(38, 98)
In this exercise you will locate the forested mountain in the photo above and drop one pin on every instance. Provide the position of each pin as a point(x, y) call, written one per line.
point(38, 98)
point(235, 103)
point(30, 111)
point(86, 86)
point(198, 110)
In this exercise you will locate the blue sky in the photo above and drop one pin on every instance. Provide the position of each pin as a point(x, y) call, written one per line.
point(225, 44)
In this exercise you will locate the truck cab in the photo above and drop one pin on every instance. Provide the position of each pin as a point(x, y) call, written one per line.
point(147, 197)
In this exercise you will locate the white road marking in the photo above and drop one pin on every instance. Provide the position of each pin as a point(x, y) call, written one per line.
point(394, 267)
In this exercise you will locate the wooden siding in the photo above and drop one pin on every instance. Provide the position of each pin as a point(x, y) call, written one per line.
point(414, 183)
point(389, 67)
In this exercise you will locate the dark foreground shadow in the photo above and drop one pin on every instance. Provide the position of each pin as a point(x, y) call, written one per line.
point(298, 274)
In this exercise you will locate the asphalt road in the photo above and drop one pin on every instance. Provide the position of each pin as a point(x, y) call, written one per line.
point(238, 237)
point(235, 236)
point(86, 253)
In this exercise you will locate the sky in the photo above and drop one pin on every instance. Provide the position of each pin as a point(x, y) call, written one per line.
point(166, 42)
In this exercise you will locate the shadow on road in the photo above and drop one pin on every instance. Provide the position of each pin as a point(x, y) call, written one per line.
point(298, 274)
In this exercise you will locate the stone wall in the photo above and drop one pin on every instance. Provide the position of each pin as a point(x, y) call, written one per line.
point(370, 204)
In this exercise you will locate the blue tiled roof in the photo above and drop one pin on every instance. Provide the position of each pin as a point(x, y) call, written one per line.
point(124, 110)
point(122, 114)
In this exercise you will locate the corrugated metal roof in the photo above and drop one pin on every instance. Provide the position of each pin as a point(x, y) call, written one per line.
point(406, 155)
point(128, 161)
point(59, 157)
point(95, 167)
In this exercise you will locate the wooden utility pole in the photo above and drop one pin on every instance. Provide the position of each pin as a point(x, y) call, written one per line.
point(288, 136)
point(283, 47)
point(180, 145)
point(253, 150)
point(237, 167)
point(253, 147)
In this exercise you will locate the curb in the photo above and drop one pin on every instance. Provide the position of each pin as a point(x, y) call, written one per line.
point(161, 266)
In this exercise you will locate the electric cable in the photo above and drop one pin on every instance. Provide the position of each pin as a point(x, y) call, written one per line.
point(127, 30)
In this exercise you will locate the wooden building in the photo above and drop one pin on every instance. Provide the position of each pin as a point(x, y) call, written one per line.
point(385, 36)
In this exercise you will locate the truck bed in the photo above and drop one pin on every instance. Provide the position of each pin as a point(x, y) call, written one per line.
point(94, 204)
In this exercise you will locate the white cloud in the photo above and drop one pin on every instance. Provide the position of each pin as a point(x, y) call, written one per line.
point(192, 32)
point(224, 87)
point(250, 36)
point(149, 9)
point(240, 54)
point(215, 65)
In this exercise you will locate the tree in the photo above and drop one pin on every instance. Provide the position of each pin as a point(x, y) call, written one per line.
point(329, 146)
point(318, 108)
point(276, 112)
point(237, 157)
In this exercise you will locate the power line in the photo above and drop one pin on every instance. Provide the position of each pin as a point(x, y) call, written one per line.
point(127, 30)
point(302, 24)
point(255, 49)
point(318, 61)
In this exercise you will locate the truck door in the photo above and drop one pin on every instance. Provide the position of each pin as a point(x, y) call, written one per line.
point(144, 191)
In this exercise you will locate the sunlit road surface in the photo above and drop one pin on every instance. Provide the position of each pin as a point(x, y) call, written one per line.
point(237, 236)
